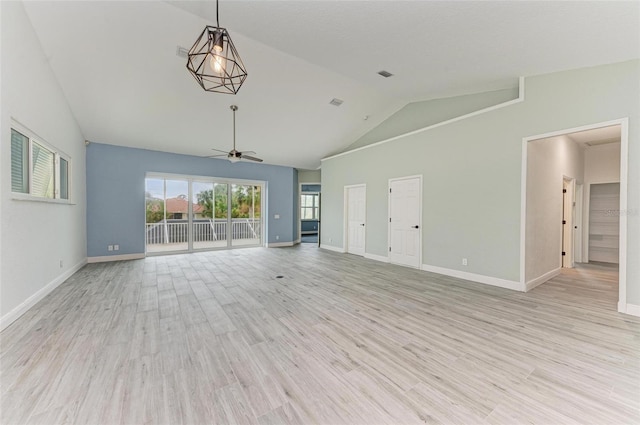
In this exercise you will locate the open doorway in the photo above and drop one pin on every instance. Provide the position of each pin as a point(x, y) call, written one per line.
point(310, 194)
point(558, 227)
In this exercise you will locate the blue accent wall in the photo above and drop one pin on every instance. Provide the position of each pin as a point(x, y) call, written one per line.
point(116, 193)
point(310, 188)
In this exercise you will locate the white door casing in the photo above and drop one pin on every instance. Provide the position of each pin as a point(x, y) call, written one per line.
point(624, 167)
point(356, 213)
point(568, 185)
point(405, 221)
point(577, 224)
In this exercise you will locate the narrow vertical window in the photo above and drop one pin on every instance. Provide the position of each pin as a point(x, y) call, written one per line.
point(19, 162)
point(64, 179)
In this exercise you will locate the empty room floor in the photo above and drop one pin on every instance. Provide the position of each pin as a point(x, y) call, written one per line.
point(303, 335)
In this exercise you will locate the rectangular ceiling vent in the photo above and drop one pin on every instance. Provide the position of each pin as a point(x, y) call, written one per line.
point(385, 74)
point(335, 102)
point(183, 52)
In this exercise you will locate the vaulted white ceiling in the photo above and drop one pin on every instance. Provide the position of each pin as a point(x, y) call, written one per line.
point(117, 64)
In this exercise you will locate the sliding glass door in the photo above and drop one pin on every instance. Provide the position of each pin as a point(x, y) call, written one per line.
point(245, 215)
point(167, 228)
point(190, 214)
point(209, 215)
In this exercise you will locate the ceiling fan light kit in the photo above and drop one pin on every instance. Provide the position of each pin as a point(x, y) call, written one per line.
point(214, 61)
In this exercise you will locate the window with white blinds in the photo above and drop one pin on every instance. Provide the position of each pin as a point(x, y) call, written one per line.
point(37, 169)
point(19, 162)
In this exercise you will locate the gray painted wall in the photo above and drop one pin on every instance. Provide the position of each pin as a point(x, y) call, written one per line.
point(423, 114)
point(310, 187)
point(309, 176)
point(602, 163)
point(116, 189)
point(472, 169)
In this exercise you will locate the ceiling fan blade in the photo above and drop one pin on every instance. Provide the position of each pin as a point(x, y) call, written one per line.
point(249, 152)
point(251, 158)
point(219, 150)
point(217, 156)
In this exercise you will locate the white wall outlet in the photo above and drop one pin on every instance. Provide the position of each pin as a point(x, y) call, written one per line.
point(110, 248)
point(116, 247)
point(464, 261)
point(276, 216)
point(277, 237)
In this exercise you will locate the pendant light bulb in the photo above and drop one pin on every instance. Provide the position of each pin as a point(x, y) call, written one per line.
point(218, 63)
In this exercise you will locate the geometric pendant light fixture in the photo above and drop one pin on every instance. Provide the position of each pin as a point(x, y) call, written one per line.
point(214, 61)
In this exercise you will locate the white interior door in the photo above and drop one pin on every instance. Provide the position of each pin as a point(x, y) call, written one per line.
point(405, 234)
point(356, 219)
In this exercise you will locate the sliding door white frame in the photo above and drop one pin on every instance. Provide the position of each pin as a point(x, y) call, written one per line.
point(214, 180)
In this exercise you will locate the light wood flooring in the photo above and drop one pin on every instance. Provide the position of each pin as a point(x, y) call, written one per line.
point(216, 337)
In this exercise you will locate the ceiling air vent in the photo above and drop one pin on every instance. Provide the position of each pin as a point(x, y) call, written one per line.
point(385, 74)
point(183, 52)
point(336, 102)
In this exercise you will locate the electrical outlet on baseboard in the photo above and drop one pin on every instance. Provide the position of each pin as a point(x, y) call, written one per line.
point(464, 261)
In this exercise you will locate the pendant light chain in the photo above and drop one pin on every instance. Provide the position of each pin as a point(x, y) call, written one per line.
point(217, 14)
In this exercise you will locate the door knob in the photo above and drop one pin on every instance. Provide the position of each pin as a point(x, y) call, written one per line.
point(415, 227)
point(362, 224)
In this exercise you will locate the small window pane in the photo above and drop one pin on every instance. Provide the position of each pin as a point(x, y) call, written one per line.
point(42, 169)
point(64, 179)
point(19, 162)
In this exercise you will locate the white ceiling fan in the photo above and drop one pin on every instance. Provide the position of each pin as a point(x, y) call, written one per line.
point(235, 155)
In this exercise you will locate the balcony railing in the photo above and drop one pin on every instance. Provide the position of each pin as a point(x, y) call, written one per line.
point(177, 231)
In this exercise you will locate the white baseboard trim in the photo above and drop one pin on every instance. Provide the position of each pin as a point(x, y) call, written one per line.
point(631, 309)
point(542, 279)
point(487, 280)
point(21, 309)
point(122, 257)
point(280, 244)
point(297, 241)
point(381, 258)
point(332, 248)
